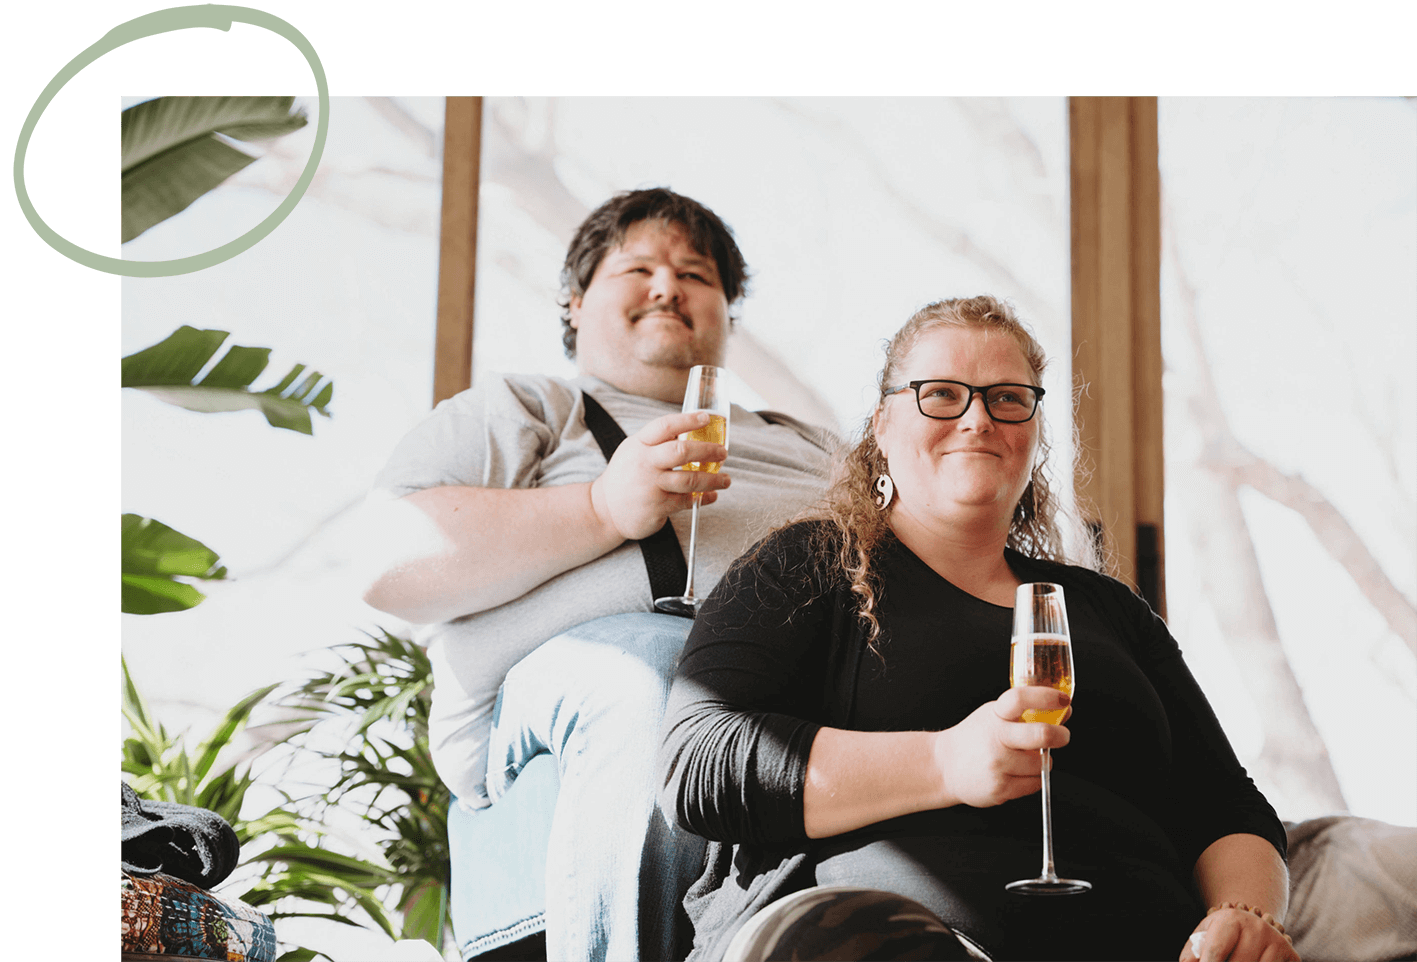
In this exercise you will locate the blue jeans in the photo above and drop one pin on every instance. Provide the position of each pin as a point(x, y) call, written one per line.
point(616, 870)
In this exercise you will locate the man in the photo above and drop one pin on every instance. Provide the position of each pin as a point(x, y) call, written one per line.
point(502, 531)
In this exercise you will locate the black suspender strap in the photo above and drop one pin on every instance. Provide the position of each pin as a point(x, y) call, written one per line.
point(664, 559)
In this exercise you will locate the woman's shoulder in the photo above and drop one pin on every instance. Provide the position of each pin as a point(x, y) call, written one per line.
point(1112, 600)
point(791, 568)
point(1078, 577)
point(805, 540)
point(1060, 570)
point(799, 550)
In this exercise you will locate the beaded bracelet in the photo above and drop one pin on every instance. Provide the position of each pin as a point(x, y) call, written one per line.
point(1263, 916)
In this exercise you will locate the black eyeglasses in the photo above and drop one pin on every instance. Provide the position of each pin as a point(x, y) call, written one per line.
point(947, 400)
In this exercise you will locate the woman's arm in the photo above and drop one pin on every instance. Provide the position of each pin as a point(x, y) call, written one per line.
point(1242, 870)
point(748, 753)
point(860, 778)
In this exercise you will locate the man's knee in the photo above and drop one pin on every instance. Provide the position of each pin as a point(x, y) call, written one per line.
point(651, 638)
point(618, 667)
point(633, 649)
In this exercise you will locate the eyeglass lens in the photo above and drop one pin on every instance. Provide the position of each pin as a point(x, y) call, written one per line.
point(949, 399)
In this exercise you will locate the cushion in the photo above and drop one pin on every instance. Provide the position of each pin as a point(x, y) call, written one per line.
point(1352, 889)
point(165, 917)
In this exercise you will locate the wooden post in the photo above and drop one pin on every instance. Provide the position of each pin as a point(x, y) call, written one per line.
point(1116, 299)
point(457, 250)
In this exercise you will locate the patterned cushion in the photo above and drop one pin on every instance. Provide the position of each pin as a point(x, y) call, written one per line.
point(167, 917)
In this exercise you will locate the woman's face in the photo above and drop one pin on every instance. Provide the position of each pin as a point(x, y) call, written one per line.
point(947, 470)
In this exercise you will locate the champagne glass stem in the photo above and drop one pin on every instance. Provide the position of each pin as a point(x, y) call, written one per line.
point(693, 542)
point(1048, 871)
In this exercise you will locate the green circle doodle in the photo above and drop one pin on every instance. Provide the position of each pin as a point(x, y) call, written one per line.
point(163, 21)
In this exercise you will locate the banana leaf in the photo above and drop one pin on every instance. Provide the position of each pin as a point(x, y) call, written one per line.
point(170, 370)
point(174, 151)
point(153, 558)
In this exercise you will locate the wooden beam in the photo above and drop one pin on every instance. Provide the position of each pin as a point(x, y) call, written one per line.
point(1116, 300)
point(457, 249)
point(1149, 458)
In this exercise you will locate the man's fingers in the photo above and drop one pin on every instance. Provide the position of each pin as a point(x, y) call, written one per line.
point(670, 426)
point(687, 482)
point(672, 454)
point(667, 450)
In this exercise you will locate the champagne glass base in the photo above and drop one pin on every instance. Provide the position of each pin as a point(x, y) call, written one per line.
point(1047, 886)
point(679, 605)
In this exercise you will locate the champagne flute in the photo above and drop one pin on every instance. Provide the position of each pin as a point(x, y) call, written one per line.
point(706, 392)
point(1041, 654)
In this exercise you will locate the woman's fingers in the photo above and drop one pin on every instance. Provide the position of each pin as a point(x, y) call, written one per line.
point(1031, 736)
point(1011, 705)
point(1235, 936)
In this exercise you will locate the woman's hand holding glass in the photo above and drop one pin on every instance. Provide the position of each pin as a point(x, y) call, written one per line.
point(992, 757)
point(1041, 652)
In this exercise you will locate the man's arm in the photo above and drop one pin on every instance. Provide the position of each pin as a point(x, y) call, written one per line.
point(449, 551)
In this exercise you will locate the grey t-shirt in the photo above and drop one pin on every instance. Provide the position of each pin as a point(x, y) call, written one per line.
point(528, 431)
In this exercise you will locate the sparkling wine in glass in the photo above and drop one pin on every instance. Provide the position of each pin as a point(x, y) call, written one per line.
point(1041, 654)
point(706, 392)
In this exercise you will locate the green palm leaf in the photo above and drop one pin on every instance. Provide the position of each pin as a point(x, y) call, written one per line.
point(172, 153)
point(291, 867)
point(424, 907)
point(153, 558)
point(171, 369)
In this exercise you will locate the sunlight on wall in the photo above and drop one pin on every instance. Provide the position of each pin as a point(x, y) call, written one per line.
point(1291, 239)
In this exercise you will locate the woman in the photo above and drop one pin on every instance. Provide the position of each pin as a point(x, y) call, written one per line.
point(837, 716)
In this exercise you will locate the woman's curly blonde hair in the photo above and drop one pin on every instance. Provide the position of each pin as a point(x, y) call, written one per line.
point(857, 525)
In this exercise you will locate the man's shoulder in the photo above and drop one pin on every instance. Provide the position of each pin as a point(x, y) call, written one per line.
point(523, 384)
point(819, 437)
point(540, 397)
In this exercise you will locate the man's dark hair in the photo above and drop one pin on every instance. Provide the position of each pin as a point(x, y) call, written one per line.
point(605, 229)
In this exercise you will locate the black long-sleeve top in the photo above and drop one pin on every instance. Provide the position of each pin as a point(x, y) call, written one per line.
point(778, 652)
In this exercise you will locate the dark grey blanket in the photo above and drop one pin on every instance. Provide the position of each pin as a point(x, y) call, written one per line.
point(190, 843)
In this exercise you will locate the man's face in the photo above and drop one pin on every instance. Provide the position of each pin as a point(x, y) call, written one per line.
point(653, 303)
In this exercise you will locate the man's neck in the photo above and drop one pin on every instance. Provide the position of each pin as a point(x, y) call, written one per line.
point(665, 384)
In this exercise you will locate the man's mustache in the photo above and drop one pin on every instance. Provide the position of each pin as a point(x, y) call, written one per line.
point(659, 309)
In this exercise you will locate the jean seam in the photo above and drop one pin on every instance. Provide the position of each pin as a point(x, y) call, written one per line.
point(504, 936)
